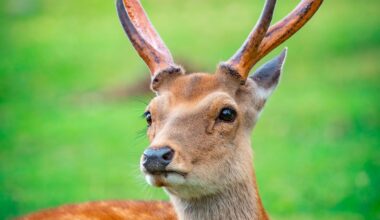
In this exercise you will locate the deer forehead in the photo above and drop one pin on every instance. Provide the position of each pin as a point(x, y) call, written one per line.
point(195, 92)
point(192, 87)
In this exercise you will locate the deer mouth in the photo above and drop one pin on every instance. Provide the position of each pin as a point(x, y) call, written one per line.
point(165, 178)
point(168, 172)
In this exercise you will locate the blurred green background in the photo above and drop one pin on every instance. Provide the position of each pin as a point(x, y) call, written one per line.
point(62, 140)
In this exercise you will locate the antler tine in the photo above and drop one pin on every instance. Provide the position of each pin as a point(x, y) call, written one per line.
point(288, 26)
point(143, 36)
point(261, 40)
point(241, 61)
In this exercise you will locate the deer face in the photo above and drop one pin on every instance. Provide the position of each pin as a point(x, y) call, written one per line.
point(199, 124)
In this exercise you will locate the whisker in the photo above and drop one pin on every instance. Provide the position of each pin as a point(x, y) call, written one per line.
point(140, 101)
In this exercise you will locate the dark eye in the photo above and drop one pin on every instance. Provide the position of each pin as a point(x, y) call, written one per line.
point(227, 115)
point(148, 117)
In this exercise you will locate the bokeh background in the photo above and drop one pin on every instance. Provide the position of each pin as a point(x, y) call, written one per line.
point(70, 121)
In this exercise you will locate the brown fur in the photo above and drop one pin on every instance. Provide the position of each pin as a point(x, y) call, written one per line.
point(215, 156)
point(108, 210)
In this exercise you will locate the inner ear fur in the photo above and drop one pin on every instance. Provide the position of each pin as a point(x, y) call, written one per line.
point(267, 76)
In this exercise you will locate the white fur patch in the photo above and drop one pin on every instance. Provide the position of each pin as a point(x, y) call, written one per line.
point(263, 93)
point(167, 179)
point(150, 180)
point(175, 179)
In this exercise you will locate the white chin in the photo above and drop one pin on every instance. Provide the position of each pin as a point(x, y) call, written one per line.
point(167, 179)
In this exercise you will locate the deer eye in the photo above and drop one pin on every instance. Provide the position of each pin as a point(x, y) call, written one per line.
point(148, 118)
point(227, 115)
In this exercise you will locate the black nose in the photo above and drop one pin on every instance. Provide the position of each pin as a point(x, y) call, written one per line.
point(155, 160)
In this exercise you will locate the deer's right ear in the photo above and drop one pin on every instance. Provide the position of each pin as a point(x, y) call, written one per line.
point(267, 76)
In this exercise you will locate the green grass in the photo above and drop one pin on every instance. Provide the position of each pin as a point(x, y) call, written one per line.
point(316, 146)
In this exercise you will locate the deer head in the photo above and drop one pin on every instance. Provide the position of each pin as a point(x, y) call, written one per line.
point(199, 124)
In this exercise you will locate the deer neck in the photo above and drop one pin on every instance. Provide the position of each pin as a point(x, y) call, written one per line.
point(237, 201)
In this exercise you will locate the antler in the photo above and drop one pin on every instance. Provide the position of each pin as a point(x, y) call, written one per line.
point(143, 36)
point(261, 40)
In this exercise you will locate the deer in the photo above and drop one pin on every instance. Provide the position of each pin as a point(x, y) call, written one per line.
point(199, 125)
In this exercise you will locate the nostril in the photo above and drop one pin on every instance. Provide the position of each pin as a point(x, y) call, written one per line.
point(168, 156)
point(156, 159)
point(145, 158)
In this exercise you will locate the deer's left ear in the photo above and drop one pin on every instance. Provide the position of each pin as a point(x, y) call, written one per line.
point(267, 76)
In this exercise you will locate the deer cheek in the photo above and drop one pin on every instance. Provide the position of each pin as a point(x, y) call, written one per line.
point(210, 127)
point(227, 130)
point(151, 132)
